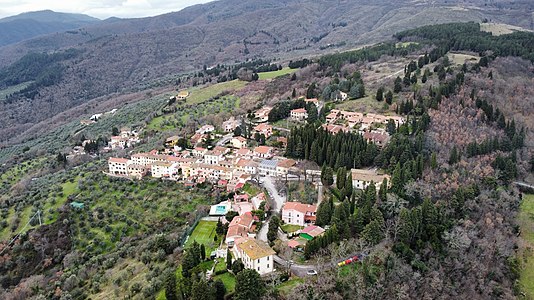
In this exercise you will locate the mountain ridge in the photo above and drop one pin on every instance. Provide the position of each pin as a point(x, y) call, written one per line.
point(119, 55)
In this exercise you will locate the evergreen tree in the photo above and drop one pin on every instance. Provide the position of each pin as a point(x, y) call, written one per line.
point(373, 233)
point(398, 85)
point(397, 184)
point(228, 259)
point(238, 266)
point(380, 94)
point(433, 161)
point(200, 290)
point(170, 286)
point(389, 97)
point(202, 252)
point(327, 176)
point(324, 213)
point(220, 289)
point(249, 285)
point(453, 157)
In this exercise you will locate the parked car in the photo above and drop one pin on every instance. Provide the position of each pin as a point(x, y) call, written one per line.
point(311, 272)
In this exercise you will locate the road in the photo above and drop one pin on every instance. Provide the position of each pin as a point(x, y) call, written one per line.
point(299, 270)
point(319, 193)
point(225, 139)
point(268, 184)
point(262, 234)
point(524, 185)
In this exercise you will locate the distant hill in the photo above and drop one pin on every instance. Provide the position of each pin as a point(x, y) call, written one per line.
point(116, 56)
point(28, 25)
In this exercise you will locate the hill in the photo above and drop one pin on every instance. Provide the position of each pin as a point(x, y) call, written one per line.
point(31, 24)
point(120, 56)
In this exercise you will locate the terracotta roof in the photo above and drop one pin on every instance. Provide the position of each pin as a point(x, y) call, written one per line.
point(255, 249)
point(299, 111)
point(245, 219)
point(301, 207)
point(263, 127)
point(286, 163)
point(263, 149)
point(313, 230)
point(293, 244)
point(118, 160)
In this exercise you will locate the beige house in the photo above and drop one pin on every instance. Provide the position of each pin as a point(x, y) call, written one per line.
point(231, 124)
point(361, 179)
point(264, 129)
point(239, 142)
point(255, 254)
point(262, 115)
point(299, 114)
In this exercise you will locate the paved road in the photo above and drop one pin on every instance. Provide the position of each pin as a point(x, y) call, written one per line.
point(268, 183)
point(319, 193)
point(262, 234)
point(225, 139)
point(299, 270)
point(524, 184)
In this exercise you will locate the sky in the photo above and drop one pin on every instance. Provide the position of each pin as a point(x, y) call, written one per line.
point(101, 9)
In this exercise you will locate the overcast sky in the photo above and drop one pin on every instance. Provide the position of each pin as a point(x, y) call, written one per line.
point(101, 9)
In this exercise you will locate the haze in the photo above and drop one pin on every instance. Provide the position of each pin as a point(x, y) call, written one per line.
point(98, 8)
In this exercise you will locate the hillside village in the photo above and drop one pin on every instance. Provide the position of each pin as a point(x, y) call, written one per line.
point(232, 161)
point(267, 181)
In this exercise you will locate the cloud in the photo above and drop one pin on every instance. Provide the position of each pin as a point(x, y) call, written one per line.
point(98, 8)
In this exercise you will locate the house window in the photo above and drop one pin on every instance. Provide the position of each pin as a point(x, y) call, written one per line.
point(258, 260)
point(258, 269)
point(267, 266)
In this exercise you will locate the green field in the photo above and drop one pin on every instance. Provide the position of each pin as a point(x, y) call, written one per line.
point(13, 89)
point(204, 233)
point(228, 280)
point(274, 74)
point(526, 221)
point(201, 94)
point(286, 287)
point(365, 104)
point(287, 228)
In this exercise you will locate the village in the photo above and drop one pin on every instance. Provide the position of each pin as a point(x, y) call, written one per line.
point(221, 155)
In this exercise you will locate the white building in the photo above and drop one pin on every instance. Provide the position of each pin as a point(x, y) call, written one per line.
point(264, 152)
point(361, 179)
point(206, 129)
point(239, 142)
point(297, 213)
point(118, 166)
point(231, 124)
point(255, 254)
point(299, 114)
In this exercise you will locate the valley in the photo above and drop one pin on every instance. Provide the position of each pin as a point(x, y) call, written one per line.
point(255, 150)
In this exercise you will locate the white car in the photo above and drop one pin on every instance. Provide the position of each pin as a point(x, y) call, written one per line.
point(311, 272)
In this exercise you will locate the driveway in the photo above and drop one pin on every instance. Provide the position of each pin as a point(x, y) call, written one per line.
point(278, 200)
point(298, 270)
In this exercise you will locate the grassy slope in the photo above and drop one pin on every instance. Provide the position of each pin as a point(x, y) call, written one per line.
point(204, 234)
point(526, 220)
point(274, 74)
point(198, 95)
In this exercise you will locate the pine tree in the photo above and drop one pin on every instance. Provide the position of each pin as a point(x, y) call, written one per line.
point(389, 97)
point(228, 259)
point(453, 157)
point(249, 285)
point(170, 286)
point(398, 85)
point(396, 180)
point(433, 161)
point(380, 94)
